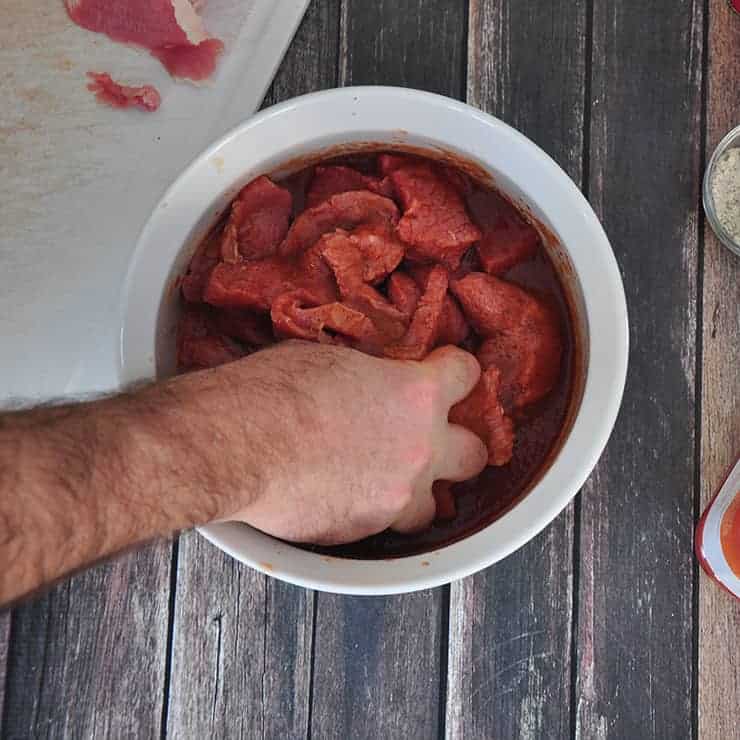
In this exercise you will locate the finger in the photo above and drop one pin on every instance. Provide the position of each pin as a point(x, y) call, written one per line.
point(457, 371)
point(418, 515)
point(462, 456)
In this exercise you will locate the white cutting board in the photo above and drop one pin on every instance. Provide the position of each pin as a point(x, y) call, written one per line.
point(78, 180)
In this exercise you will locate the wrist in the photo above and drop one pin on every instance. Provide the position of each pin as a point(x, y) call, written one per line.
point(193, 453)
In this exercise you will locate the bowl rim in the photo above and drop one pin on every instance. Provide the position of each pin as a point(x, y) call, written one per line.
point(523, 521)
point(708, 199)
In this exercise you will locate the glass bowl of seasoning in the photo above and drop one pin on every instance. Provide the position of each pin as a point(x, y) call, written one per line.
point(722, 191)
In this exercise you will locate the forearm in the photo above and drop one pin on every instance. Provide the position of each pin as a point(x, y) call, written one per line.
point(308, 443)
point(80, 483)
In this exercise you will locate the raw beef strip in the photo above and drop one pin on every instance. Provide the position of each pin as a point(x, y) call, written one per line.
point(348, 264)
point(312, 268)
point(249, 284)
point(453, 328)
point(255, 285)
point(458, 179)
point(249, 328)
point(388, 163)
point(381, 249)
point(422, 334)
point(367, 255)
point(507, 238)
point(170, 29)
point(335, 179)
point(342, 211)
point(116, 95)
point(404, 293)
point(259, 221)
point(296, 315)
point(522, 333)
point(345, 260)
point(200, 345)
point(483, 414)
point(435, 220)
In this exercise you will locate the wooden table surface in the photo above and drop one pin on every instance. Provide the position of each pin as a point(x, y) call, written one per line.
point(603, 626)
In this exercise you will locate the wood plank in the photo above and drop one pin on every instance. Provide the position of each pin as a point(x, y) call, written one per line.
point(409, 43)
point(719, 615)
point(88, 659)
point(378, 661)
point(636, 574)
point(510, 626)
point(5, 618)
point(241, 649)
point(241, 654)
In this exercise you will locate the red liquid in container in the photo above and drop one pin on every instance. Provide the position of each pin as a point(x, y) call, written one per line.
point(718, 535)
point(730, 533)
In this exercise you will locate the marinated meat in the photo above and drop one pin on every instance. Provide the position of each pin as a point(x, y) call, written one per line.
point(342, 211)
point(382, 251)
point(404, 293)
point(249, 284)
point(112, 93)
point(247, 327)
point(453, 328)
point(171, 30)
point(435, 222)
point(388, 163)
point(522, 333)
point(349, 265)
point(350, 270)
point(257, 284)
point(335, 179)
point(422, 334)
point(259, 221)
point(458, 179)
point(482, 413)
point(366, 255)
point(507, 238)
point(199, 343)
point(297, 315)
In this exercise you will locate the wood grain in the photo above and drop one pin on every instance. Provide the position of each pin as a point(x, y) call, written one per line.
point(241, 654)
point(377, 668)
point(378, 661)
point(88, 659)
point(719, 613)
point(636, 568)
point(409, 43)
point(510, 626)
point(5, 618)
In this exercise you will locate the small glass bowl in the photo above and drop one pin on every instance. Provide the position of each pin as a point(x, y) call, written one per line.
point(730, 141)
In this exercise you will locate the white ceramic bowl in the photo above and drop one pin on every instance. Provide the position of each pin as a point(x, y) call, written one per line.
point(299, 130)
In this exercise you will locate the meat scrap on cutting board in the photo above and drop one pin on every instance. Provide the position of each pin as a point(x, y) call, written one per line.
point(171, 30)
point(116, 95)
point(393, 260)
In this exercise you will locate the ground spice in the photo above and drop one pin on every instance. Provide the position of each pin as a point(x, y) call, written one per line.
point(725, 185)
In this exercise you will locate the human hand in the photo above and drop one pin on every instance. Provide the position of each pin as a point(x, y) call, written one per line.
point(340, 445)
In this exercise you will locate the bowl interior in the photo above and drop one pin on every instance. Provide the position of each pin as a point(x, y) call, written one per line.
point(484, 499)
point(355, 119)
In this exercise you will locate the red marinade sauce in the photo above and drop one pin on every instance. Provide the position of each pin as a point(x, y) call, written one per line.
point(729, 535)
point(539, 427)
